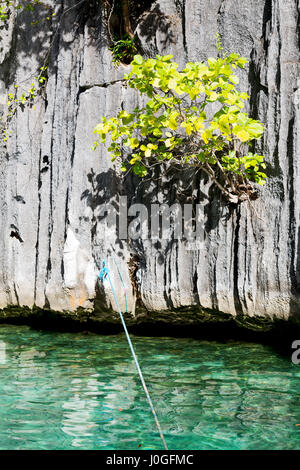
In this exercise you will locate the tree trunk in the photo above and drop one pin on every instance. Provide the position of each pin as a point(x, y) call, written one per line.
point(126, 18)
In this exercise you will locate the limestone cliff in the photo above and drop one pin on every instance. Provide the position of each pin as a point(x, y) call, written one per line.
point(53, 237)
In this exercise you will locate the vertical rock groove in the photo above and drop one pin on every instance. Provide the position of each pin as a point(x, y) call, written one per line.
point(236, 271)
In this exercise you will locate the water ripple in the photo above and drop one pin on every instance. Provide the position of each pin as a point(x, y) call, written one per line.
point(72, 391)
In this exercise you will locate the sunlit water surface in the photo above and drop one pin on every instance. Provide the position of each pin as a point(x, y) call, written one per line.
point(77, 391)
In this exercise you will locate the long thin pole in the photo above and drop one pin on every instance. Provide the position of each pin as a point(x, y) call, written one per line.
point(136, 362)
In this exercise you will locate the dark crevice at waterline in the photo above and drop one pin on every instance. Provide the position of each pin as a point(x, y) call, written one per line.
point(279, 334)
point(280, 339)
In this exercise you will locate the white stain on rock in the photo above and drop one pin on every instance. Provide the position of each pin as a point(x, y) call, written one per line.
point(79, 274)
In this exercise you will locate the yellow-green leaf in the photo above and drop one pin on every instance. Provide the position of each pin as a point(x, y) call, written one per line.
point(134, 143)
point(243, 135)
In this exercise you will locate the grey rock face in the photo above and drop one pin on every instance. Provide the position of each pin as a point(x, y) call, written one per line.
point(53, 186)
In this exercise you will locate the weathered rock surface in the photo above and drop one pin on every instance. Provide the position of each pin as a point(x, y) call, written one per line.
point(53, 186)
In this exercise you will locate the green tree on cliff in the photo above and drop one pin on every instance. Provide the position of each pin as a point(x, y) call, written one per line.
point(193, 117)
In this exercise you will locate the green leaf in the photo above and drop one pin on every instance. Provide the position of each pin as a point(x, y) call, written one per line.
point(134, 142)
point(138, 59)
point(243, 135)
point(157, 132)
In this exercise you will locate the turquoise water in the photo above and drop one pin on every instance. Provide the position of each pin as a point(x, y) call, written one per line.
point(77, 391)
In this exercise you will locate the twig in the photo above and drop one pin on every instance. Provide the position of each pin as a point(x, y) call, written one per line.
point(229, 182)
point(108, 22)
point(231, 197)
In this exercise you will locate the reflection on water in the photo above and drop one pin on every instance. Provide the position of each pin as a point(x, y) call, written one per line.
point(72, 391)
point(2, 352)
